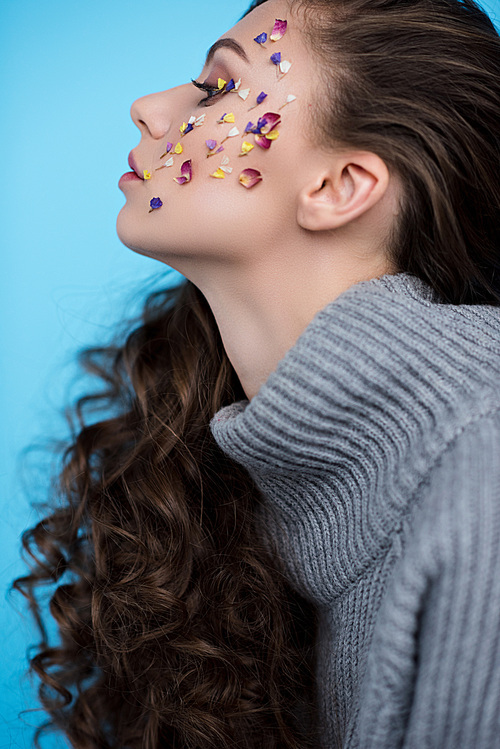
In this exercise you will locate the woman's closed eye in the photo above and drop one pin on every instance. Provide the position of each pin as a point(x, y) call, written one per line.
point(212, 91)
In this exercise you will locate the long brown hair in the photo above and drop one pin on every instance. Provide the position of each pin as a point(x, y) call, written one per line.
point(177, 625)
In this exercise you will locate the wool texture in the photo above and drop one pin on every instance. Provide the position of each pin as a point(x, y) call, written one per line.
point(375, 445)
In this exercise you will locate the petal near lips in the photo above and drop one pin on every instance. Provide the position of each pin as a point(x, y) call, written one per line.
point(279, 30)
point(250, 177)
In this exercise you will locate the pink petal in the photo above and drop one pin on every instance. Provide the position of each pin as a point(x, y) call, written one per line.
point(262, 141)
point(186, 170)
point(273, 120)
point(279, 30)
point(181, 180)
point(250, 177)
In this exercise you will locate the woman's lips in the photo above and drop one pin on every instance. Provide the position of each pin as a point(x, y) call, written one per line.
point(129, 177)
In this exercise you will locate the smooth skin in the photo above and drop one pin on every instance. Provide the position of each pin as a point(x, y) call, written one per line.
point(268, 258)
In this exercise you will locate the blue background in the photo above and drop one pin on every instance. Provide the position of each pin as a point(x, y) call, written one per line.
point(68, 75)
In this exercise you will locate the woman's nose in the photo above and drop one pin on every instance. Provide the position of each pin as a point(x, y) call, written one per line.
point(150, 114)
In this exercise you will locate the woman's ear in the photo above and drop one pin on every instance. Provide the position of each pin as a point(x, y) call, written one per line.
point(350, 185)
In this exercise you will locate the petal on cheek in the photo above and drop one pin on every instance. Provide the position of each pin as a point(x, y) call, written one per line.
point(279, 30)
point(186, 173)
point(218, 174)
point(250, 177)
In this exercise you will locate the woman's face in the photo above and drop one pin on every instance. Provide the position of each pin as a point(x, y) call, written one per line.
point(213, 217)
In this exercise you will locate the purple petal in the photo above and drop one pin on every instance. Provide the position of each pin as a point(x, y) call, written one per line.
point(230, 85)
point(169, 147)
point(261, 97)
point(211, 144)
point(276, 58)
point(261, 39)
point(221, 148)
point(188, 128)
point(181, 180)
point(249, 128)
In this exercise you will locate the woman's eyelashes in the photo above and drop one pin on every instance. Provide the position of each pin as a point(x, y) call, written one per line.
point(212, 91)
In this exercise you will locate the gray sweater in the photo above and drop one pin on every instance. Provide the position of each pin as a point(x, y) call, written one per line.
point(376, 445)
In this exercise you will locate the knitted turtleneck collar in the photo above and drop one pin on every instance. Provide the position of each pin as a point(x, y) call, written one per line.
point(377, 385)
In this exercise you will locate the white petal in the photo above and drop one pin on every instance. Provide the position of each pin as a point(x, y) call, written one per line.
point(232, 132)
point(290, 98)
point(285, 66)
point(227, 169)
point(237, 84)
point(169, 162)
point(244, 93)
point(200, 120)
point(191, 119)
point(225, 160)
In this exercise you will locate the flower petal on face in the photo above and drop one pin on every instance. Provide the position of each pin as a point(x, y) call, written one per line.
point(289, 99)
point(250, 126)
point(246, 147)
point(168, 149)
point(218, 174)
point(155, 203)
point(272, 135)
point(262, 141)
point(187, 129)
point(186, 173)
point(261, 39)
point(268, 122)
point(224, 165)
point(279, 30)
point(227, 169)
point(183, 127)
point(221, 83)
point(237, 84)
point(230, 85)
point(261, 97)
point(211, 144)
point(250, 177)
point(169, 162)
point(178, 149)
point(147, 174)
point(285, 66)
point(221, 148)
point(276, 58)
point(244, 93)
point(192, 120)
point(234, 131)
point(229, 117)
point(199, 120)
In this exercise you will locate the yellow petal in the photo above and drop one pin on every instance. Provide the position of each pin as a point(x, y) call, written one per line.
point(272, 135)
point(246, 146)
point(147, 175)
point(219, 174)
point(183, 127)
point(229, 117)
point(178, 148)
point(221, 83)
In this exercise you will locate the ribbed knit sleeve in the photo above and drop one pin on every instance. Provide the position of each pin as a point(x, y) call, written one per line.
point(433, 671)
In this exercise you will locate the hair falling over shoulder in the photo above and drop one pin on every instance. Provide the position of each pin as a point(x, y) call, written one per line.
point(177, 627)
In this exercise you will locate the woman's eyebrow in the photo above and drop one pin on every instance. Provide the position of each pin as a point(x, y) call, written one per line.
point(230, 44)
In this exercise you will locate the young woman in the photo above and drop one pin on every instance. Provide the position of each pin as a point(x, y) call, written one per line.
point(284, 528)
